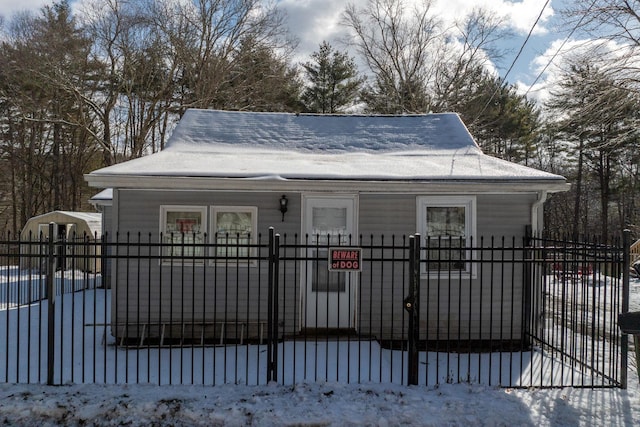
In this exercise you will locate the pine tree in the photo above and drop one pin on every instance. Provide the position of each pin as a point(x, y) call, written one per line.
point(333, 81)
point(596, 118)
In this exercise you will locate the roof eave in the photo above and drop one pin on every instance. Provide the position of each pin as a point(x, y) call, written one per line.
point(461, 185)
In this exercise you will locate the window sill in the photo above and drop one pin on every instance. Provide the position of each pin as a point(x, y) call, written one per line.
point(448, 275)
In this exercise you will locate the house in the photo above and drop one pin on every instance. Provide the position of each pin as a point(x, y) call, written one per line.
point(103, 203)
point(69, 227)
point(323, 176)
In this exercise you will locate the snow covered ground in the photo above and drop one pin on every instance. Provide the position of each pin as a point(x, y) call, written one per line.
point(316, 404)
point(321, 403)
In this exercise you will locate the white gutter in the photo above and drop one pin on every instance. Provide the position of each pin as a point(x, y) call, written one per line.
point(400, 186)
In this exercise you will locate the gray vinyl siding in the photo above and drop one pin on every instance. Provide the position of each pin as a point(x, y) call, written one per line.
point(209, 293)
point(504, 215)
point(139, 210)
point(498, 215)
point(107, 233)
point(107, 220)
point(387, 214)
point(486, 307)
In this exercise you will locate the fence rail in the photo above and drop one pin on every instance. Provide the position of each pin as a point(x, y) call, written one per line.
point(134, 309)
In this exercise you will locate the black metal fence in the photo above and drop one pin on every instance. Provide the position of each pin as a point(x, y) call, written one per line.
point(131, 309)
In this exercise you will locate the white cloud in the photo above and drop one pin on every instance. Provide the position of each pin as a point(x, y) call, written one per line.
point(524, 14)
point(313, 21)
point(9, 7)
point(555, 60)
point(518, 16)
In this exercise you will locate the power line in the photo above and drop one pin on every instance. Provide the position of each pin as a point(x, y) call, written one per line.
point(526, 40)
point(553, 57)
point(513, 63)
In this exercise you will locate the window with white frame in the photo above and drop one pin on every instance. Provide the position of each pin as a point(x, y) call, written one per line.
point(234, 231)
point(446, 224)
point(183, 229)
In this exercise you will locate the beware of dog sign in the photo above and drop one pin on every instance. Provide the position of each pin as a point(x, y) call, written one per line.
point(345, 259)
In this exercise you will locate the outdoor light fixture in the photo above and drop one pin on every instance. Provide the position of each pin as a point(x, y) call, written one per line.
point(283, 205)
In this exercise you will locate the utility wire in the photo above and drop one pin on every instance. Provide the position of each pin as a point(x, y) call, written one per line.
point(526, 40)
point(503, 79)
point(573, 30)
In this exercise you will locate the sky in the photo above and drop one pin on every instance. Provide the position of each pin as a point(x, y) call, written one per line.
point(316, 20)
point(313, 21)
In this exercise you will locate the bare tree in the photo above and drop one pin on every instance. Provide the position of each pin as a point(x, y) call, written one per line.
point(161, 57)
point(596, 117)
point(398, 46)
point(612, 28)
point(470, 49)
point(47, 151)
point(612, 25)
point(612, 19)
point(203, 38)
point(135, 73)
point(259, 79)
point(418, 65)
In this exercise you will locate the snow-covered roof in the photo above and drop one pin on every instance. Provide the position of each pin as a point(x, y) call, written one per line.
point(283, 146)
point(106, 194)
point(91, 222)
point(103, 198)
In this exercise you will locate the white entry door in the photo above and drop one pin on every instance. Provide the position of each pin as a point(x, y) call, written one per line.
point(329, 297)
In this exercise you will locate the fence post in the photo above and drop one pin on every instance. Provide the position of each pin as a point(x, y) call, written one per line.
point(411, 305)
point(624, 356)
point(275, 318)
point(527, 298)
point(51, 295)
point(271, 362)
